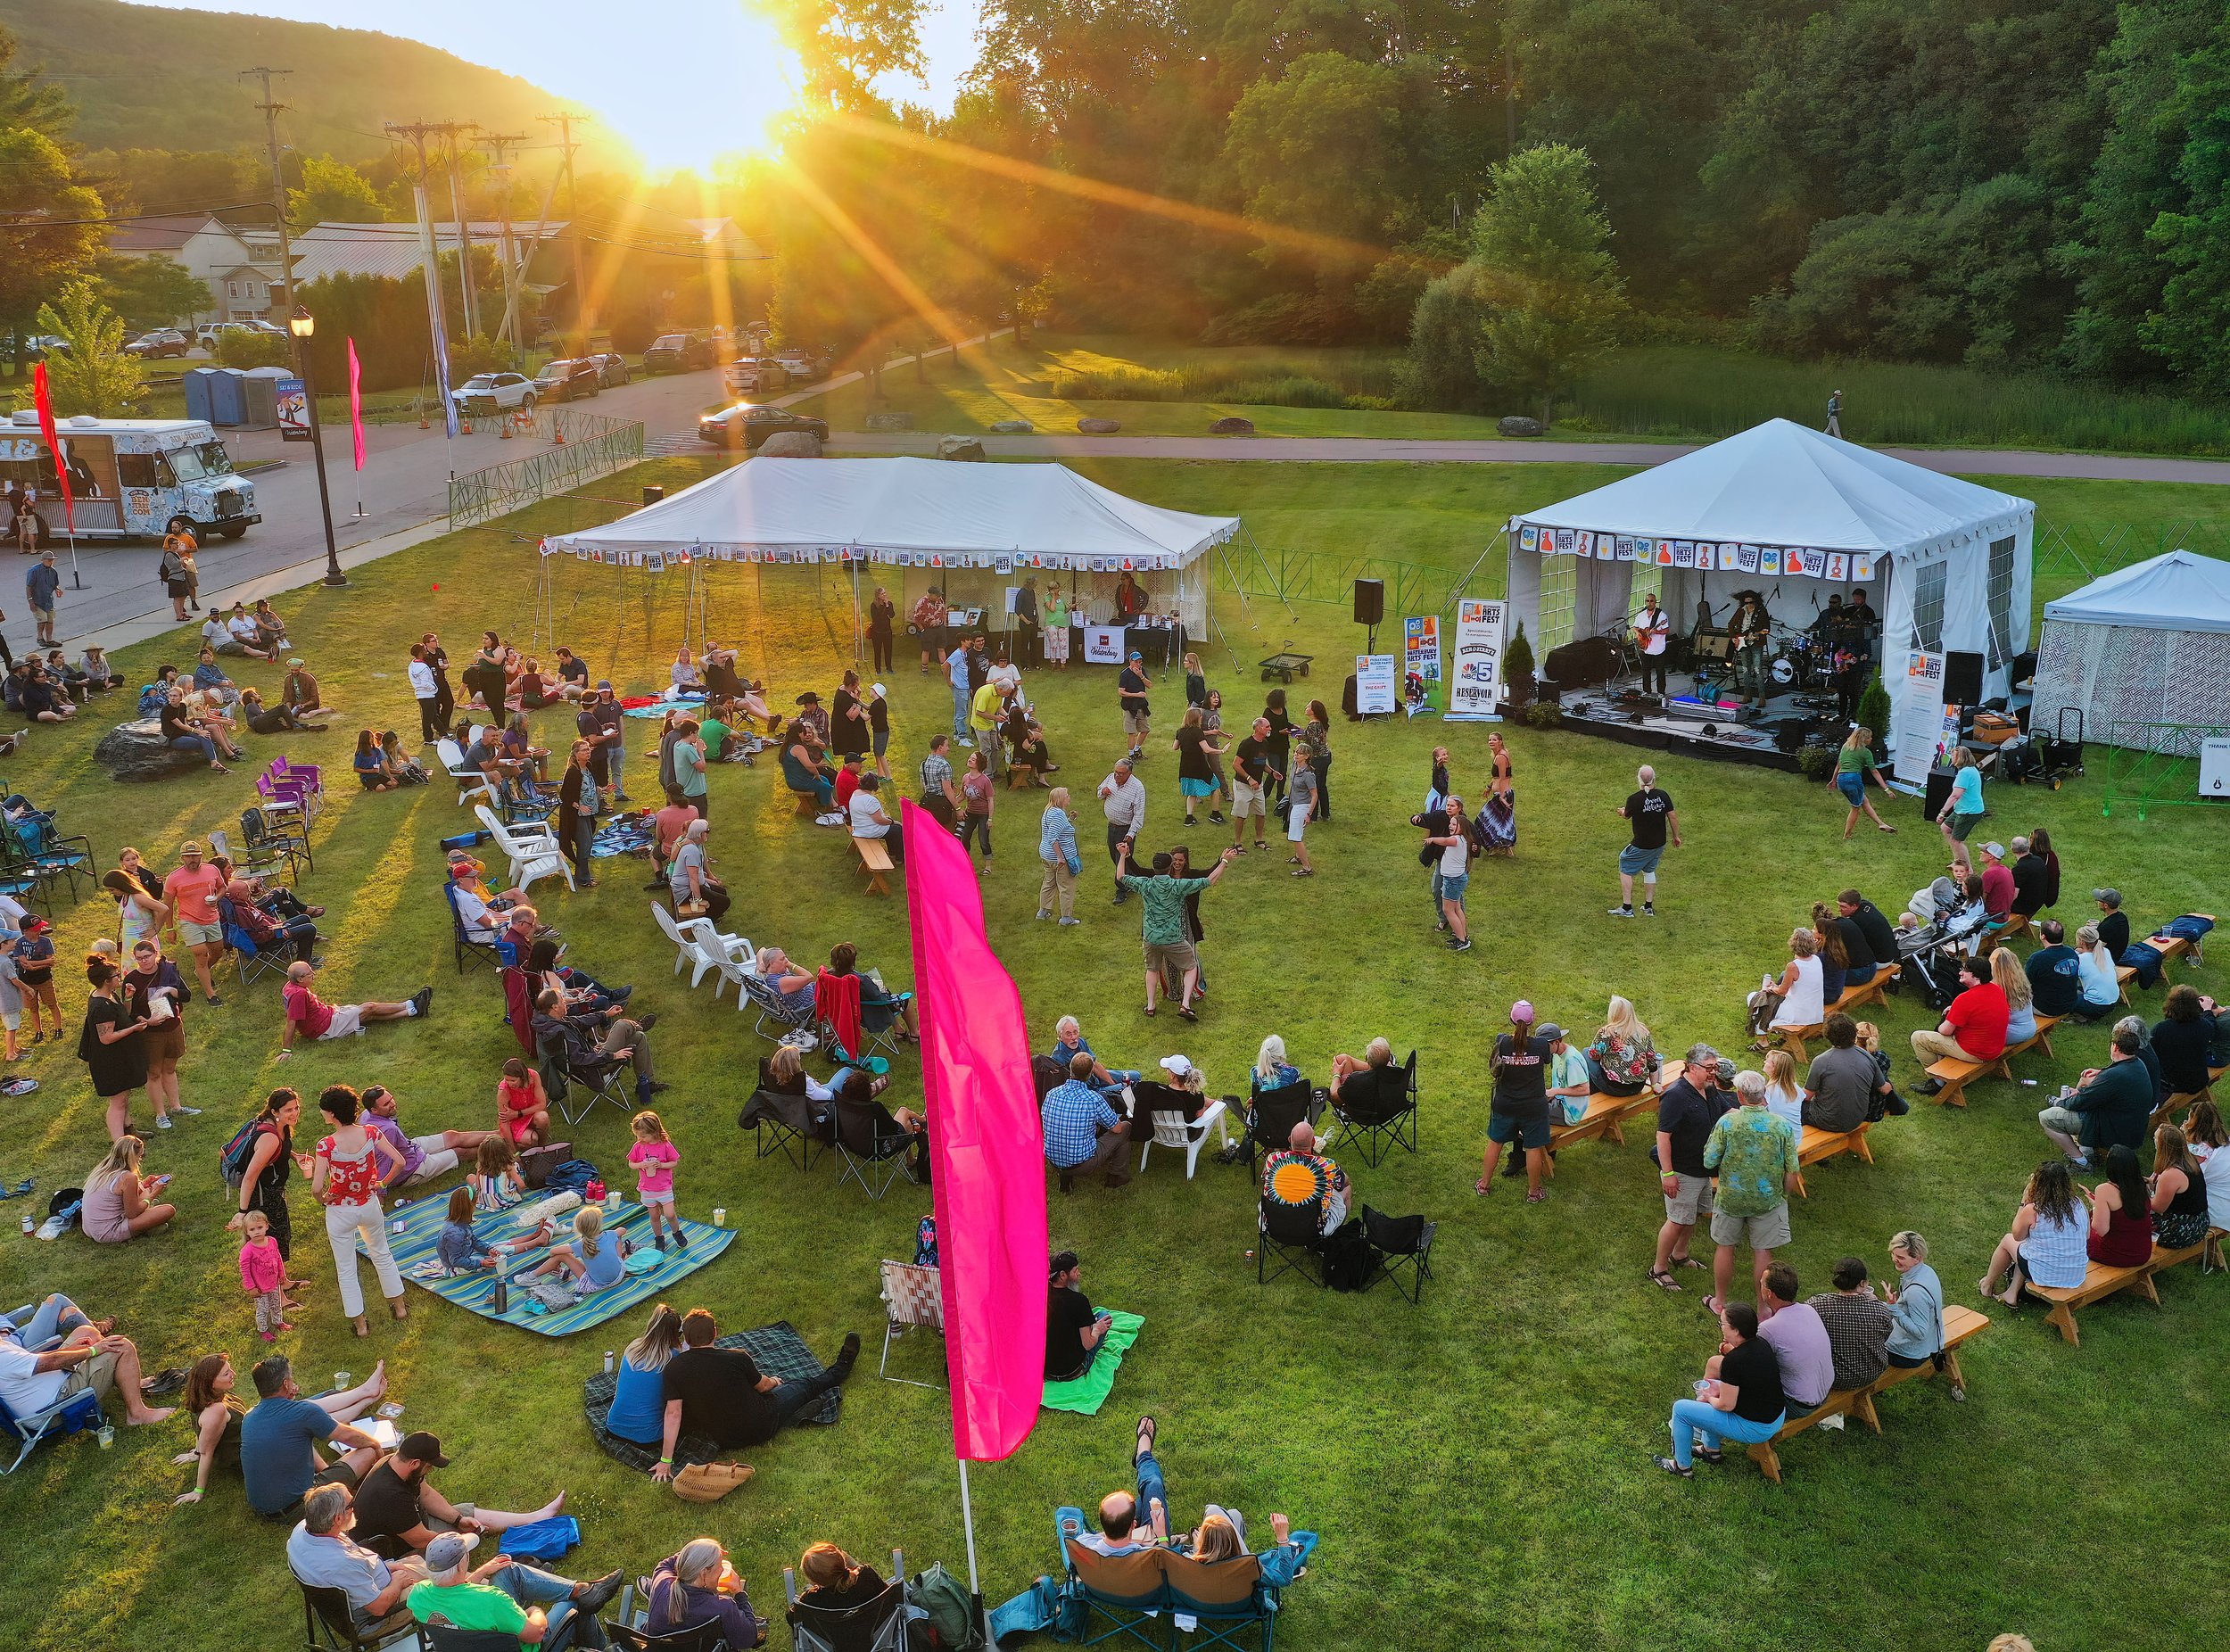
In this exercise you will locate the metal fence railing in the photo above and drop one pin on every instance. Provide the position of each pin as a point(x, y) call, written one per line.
point(2152, 765)
point(590, 446)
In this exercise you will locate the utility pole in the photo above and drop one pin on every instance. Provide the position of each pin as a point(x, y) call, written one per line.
point(452, 131)
point(499, 168)
point(415, 134)
point(584, 313)
point(270, 108)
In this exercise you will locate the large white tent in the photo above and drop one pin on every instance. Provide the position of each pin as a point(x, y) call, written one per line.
point(1798, 515)
point(927, 514)
point(2149, 645)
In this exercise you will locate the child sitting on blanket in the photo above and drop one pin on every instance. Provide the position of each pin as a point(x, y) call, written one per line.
point(459, 1248)
point(495, 1181)
point(590, 1262)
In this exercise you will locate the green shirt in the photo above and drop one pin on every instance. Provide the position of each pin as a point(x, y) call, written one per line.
point(1163, 899)
point(1856, 760)
point(467, 1605)
point(1754, 1151)
point(716, 733)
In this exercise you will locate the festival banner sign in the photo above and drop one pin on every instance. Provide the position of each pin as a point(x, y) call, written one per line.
point(1103, 645)
point(1475, 689)
point(1421, 655)
point(1375, 687)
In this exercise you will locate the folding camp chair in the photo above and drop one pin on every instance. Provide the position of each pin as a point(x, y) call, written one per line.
point(634, 1637)
point(775, 1017)
point(785, 1123)
point(328, 1626)
point(876, 1625)
point(439, 1637)
point(1293, 1230)
point(1125, 1592)
point(561, 1075)
point(1382, 1115)
point(480, 946)
point(252, 962)
point(66, 1415)
point(871, 1145)
point(1273, 1114)
point(266, 840)
point(1400, 1241)
point(913, 1300)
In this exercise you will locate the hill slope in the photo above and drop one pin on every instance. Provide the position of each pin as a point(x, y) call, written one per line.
point(158, 79)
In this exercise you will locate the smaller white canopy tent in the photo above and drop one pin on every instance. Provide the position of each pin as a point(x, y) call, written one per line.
point(1798, 515)
point(929, 514)
point(2148, 644)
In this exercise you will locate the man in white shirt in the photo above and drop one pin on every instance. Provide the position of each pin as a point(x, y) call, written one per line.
point(85, 1359)
point(1651, 627)
point(869, 821)
point(1123, 800)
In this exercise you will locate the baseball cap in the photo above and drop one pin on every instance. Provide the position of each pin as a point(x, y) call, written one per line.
point(1521, 1011)
point(2111, 898)
point(1177, 1066)
point(447, 1552)
point(1997, 849)
point(423, 1448)
point(297, 660)
point(1135, 655)
point(603, 682)
point(189, 848)
point(1550, 1030)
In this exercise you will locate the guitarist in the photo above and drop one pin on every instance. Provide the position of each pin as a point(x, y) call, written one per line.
point(1651, 627)
point(1752, 627)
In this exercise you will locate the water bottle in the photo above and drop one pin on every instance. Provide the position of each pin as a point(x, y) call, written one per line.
point(499, 1300)
point(607, 1362)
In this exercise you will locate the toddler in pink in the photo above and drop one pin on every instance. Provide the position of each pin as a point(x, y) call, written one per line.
point(653, 1156)
point(263, 1275)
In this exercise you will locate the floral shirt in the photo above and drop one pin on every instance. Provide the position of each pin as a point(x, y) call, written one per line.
point(1625, 1061)
point(350, 1181)
point(1755, 1153)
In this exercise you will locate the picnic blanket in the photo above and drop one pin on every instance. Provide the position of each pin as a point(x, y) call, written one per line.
point(623, 834)
point(780, 1352)
point(634, 705)
point(1085, 1394)
point(415, 1255)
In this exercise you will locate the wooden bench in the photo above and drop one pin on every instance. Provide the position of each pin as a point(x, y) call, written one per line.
point(1606, 1116)
point(2100, 1281)
point(1818, 1146)
point(2016, 924)
point(1018, 776)
point(2166, 1110)
point(2169, 947)
point(874, 862)
point(1956, 1074)
point(1959, 1324)
point(807, 803)
point(1853, 1000)
point(2208, 1250)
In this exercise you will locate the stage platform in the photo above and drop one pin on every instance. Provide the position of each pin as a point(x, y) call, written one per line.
point(1681, 722)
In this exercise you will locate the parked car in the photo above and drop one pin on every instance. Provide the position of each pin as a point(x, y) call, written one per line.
point(679, 352)
point(611, 368)
point(494, 391)
point(755, 376)
point(161, 342)
point(746, 425)
point(804, 364)
point(567, 381)
point(39, 345)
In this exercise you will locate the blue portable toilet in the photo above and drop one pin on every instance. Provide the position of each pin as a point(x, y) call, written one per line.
point(197, 397)
point(227, 397)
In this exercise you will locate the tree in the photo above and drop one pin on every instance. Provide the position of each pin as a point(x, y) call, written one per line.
point(1316, 147)
point(45, 237)
point(150, 291)
point(845, 45)
point(333, 192)
point(93, 375)
point(1442, 369)
point(2190, 327)
point(1550, 285)
point(26, 100)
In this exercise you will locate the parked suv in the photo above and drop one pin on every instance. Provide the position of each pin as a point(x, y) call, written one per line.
point(679, 352)
point(486, 392)
point(611, 368)
point(566, 381)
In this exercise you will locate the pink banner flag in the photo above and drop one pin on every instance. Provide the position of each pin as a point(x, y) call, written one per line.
point(986, 1151)
point(356, 403)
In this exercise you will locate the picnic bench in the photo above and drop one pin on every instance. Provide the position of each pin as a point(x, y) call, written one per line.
point(807, 803)
point(1606, 1116)
point(2016, 924)
point(1018, 776)
point(1818, 1146)
point(2168, 946)
point(1959, 1324)
point(1955, 1073)
point(1853, 1000)
point(2098, 1283)
point(874, 854)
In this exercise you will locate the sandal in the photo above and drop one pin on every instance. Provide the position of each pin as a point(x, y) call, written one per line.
point(1188, 1012)
point(1482, 1185)
point(1687, 1261)
point(1147, 1431)
point(1150, 1012)
point(1663, 1281)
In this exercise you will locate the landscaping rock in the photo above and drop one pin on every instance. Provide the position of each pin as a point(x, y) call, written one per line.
point(137, 751)
point(1013, 427)
point(1232, 427)
point(790, 444)
point(1518, 425)
point(959, 447)
point(890, 421)
point(1098, 426)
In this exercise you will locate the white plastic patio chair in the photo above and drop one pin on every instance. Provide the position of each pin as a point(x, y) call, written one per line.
point(470, 782)
point(1170, 1130)
point(531, 849)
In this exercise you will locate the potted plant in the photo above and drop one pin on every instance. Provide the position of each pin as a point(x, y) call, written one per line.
point(1517, 669)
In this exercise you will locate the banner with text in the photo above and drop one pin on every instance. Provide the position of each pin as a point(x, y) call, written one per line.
point(1917, 716)
point(1374, 684)
point(1421, 657)
point(1477, 689)
point(1103, 645)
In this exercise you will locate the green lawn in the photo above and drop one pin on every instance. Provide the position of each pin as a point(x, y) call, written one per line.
point(1477, 1466)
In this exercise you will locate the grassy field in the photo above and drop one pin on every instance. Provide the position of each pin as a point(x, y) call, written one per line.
point(1476, 1466)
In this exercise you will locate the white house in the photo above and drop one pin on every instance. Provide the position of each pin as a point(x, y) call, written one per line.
point(239, 265)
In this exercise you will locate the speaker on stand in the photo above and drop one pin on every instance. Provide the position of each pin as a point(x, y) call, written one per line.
point(1962, 680)
point(1370, 609)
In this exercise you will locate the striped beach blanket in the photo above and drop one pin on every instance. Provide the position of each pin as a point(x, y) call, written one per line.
point(417, 1256)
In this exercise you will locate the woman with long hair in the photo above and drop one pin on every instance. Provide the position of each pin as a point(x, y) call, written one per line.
point(1196, 751)
point(157, 995)
point(116, 1207)
point(484, 677)
point(271, 1159)
point(2020, 998)
point(1622, 1061)
point(1272, 1070)
point(695, 1588)
point(1281, 741)
point(348, 1169)
point(2049, 1244)
point(1497, 816)
point(1196, 681)
point(2122, 1213)
point(1855, 765)
point(2040, 846)
point(2210, 1144)
point(1318, 736)
point(978, 793)
point(1784, 1096)
point(1834, 956)
point(370, 764)
point(881, 615)
point(217, 1417)
point(577, 805)
point(2095, 968)
point(112, 1044)
point(1212, 724)
point(2179, 1192)
point(835, 1581)
point(1797, 999)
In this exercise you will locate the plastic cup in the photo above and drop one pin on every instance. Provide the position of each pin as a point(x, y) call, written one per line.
point(106, 1436)
point(720, 1219)
point(340, 1382)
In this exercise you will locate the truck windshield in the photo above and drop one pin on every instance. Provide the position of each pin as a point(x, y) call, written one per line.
point(202, 462)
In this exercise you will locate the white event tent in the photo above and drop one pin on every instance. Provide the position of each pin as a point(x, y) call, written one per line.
point(2149, 644)
point(931, 514)
point(1800, 516)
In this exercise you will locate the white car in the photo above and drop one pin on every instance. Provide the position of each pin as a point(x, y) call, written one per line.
point(503, 390)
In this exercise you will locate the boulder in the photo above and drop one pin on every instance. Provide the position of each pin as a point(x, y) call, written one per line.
point(1013, 427)
point(137, 751)
point(889, 421)
point(790, 444)
point(1516, 425)
point(959, 447)
point(1233, 425)
point(1098, 426)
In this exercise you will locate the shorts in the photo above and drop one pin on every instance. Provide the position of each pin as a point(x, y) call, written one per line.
point(1246, 800)
point(347, 1020)
point(46, 617)
point(1134, 722)
point(646, 1198)
point(1197, 789)
point(11, 1018)
point(1689, 1200)
point(438, 1160)
point(1530, 1132)
point(1296, 824)
point(96, 1375)
point(1177, 955)
point(1962, 824)
point(882, 741)
point(1768, 1232)
point(1633, 858)
point(201, 934)
point(1452, 884)
point(1852, 787)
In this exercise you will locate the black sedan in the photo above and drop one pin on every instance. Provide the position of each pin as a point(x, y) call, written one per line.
point(678, 352)
point(744, 426)
point(566, 380)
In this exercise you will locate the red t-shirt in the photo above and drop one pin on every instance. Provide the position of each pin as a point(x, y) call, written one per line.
point(673, 821)
point(1997, 889)
point(311, 1015)
point(1978, 1019)
point(195, 893)
point(847, 781)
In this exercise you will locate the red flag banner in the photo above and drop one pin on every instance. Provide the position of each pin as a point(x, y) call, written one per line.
point(986, 1147)
point(356, 403)
point(43, 398)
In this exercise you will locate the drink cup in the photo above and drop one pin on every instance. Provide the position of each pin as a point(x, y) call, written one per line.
point(720, 1219)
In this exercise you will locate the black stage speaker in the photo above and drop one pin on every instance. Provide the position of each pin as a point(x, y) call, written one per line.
point(1370, 602)
point(1962, 679)
point(652, 493)
point(1588, 661)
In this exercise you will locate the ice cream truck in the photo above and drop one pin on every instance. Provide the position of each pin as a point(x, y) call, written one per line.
point(129, 477)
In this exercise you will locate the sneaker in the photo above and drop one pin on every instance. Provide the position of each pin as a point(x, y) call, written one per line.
point(180, 1107)
point(162, 1121)
point(644, 1092)
point(1932, 1087)
point(1215, 817)
point(1672, 1468)
point(646, 1021)
point(658, 1240)
point(680, 1240)
point(1463, 946)
point(1623, 911)
point(964, 742)
point(1649, 909)
point(1070, 920)
point(422, 1000)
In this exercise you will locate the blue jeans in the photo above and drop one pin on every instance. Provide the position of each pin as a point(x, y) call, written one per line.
point(1716, 1425)
point(195, 742)
point(619, 766)
point(53, 1318)
point(788, 1399)
point(531, 1586)
point(1152, 1490)
point(961, 697)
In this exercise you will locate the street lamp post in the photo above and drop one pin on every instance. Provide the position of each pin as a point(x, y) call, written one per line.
point(302, 325)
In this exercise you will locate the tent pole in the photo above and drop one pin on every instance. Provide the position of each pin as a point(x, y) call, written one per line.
point(1277, 584)
point(1501, 540)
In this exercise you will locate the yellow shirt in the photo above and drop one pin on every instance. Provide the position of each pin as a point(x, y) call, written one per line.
point(987, 707)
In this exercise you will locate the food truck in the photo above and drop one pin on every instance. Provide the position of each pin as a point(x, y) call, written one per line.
point(129, 477)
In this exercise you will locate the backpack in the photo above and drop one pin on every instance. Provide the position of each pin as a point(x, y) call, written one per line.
point(950, 1621)
point(234, 1156)
point(572, 1176)
point(1349, 1257)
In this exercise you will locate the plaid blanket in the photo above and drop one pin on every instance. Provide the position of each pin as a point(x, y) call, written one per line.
point(781, 1353)
point(416, 1254)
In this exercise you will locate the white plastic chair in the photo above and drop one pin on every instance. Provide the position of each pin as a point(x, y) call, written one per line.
point(1170, 1130)
point(470, 782)
point(532, 849)
point(725, 955)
